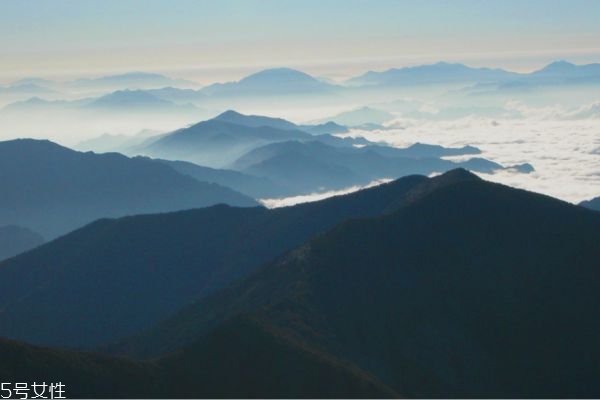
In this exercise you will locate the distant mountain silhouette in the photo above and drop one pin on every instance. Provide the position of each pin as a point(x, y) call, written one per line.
point(250, 185)
point(52, 189)
point(115, 277)
point(178, 95)
point(127, 99)
point(468, 289)
point(362, 116)
point(305, 167)
point(217, 143)
point(15, 239)
point(254, 121)
point(129, 80)
point(439, 73)
point(271, 82)
point(325, 128)
point(279, 123)
point(25, 88)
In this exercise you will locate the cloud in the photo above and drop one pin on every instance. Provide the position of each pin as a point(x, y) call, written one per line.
point(290, 201)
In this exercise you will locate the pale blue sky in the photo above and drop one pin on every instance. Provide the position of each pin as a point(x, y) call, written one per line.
point(213, 40)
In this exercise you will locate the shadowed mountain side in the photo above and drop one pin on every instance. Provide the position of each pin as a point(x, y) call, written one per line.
point(244, 359)
point(15, 239)
point(593, 204)
point(471, 289)
point(115, 277)
point(84, 375)
point(52, 189)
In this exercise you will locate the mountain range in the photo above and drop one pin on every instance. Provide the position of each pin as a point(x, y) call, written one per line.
point(52, 189)
point(299, 162)
point(109, 273)
point(459, 288)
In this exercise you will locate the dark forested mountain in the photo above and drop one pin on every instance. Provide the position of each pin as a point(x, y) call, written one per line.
point(458, 288)
point(115, 277)
point(272, 367)
point(15, 239)
point(468, 289)
point(52, 189)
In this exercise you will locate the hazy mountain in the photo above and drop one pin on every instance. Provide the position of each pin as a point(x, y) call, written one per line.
point(178, 95)
point(468, 289)
point(439, 73)
point(115, 277)
point(37, 104)
point(134, 100)
point(52, 189)
point(272, 82)
point(255, 121)
point(130, 80)
point(361, 116)
point(306, 167)
point(564, 71)
point(593, 204)
point(217, 143)
point(25, 89)
point(250, 185)
point(15, 239)
point(326, 128)
point(116, 143)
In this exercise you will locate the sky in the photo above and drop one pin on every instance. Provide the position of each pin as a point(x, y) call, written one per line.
point(211, 41)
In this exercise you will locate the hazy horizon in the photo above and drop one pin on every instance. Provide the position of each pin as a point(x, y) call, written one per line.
point(221, 41)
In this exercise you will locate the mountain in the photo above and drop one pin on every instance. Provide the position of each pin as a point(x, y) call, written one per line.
point(129, 80)
point(15, 239)
point(112, 278)
point(283, 370)
point(362, 116)
point(25, 88)
point(52, 190)
point(326, 128)
point(255, 121)
point(134, 100)
point(116, 143)
point(468, 289)
point(178, 95)
point(272, 82)
point(307, 167)
point(593, 204)
point(439, 73)
point(217, 143)
point(250, 185)
point(566, 71)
